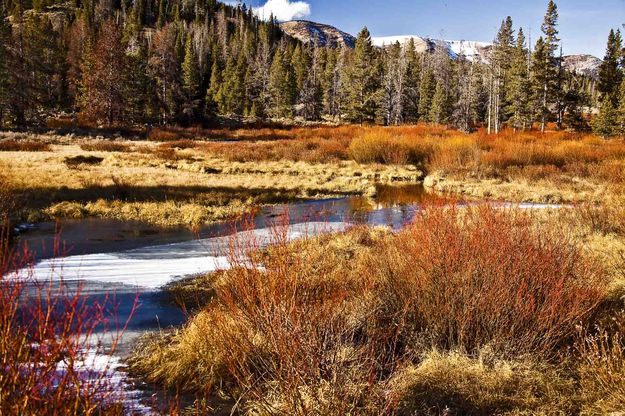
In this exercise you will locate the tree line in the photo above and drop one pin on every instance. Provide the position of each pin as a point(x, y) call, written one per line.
point(132, 62)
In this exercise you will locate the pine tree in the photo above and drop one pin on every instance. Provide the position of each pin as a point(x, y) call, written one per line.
point(605, 123)
point(362, 81)
point(426, 93)
point(191, 79)
point(610, 73)
point(439, 111)
point(546, 64)
point(279, 86)
point(500, 67)
point(411, 87)
point(212, 94)
point(519, 89)
point(5, 39)
point(620, 120)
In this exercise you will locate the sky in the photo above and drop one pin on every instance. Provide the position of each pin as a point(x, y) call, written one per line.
point(584, 24)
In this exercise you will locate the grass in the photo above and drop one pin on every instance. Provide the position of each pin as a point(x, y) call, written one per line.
point(105, 146)
point(473, 311)
point(174, 184)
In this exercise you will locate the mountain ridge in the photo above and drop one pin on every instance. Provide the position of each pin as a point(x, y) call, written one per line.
point(325, 35)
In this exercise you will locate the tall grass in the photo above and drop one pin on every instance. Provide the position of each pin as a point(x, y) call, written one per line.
point(484, 277)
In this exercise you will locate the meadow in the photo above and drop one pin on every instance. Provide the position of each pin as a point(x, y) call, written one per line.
point(192, 176)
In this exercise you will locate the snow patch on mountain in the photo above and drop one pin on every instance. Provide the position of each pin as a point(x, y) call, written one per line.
point(472, 50)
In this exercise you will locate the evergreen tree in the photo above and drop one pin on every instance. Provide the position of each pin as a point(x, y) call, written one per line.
point(610, 73)
point(212, 94)
point(546, 70)
point(411, 83)
point(280, 87)
point(620, 120)
point(519, 88)
point(5, 39)
point(191, 79)
point(427, 88)
point(439, 111)
point(605, 123)
point(362, 81)
point(500, 67)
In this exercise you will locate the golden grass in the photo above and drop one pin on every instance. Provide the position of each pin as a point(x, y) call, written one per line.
point(455, 383)
point(182, 185)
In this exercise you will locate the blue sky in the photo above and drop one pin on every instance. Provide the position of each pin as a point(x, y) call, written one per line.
point(584, 24)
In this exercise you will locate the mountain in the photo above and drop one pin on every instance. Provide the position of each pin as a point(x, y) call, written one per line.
point(323, 35)
point(583, 64)
point(326, 35)
point(472, 50)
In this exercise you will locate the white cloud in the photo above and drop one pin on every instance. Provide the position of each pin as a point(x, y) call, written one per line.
point(283, 10)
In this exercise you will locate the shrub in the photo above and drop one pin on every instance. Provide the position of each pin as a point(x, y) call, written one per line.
point(48, 335)
point(12, 145)
point(604, 218)
point(384, 147)
point(602, 368)
point(8, 200)
point(483, 276)
point(105, 146)
point(326, 325)
point(73, 162)
point(456, 384)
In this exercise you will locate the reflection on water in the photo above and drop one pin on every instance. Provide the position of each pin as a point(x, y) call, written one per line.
point(392, 206)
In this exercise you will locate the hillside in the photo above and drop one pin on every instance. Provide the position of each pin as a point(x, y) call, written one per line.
point(312, 32)
point(583, 64)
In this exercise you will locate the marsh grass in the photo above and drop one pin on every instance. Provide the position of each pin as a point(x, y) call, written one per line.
point(105, 146)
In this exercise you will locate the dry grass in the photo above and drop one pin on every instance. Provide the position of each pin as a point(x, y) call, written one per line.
point(189, 185)
point(454, 383)
point(346, 324)
point(105, 146)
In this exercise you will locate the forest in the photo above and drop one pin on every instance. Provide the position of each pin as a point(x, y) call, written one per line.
point(109, 63)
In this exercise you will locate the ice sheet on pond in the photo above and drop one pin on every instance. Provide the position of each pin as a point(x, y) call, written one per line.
point(153, 267)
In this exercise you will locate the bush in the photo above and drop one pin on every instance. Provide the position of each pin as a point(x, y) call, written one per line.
point(48, 335)
point(602, 368)
point(325, 325)
point(73, 162)
point(12, 145)
point(456, 384)
point(384, 147)
point(105, 146)
point(483, 276)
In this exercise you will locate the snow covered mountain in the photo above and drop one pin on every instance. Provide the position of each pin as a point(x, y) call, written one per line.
point(472, 50)
point(326, 35)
